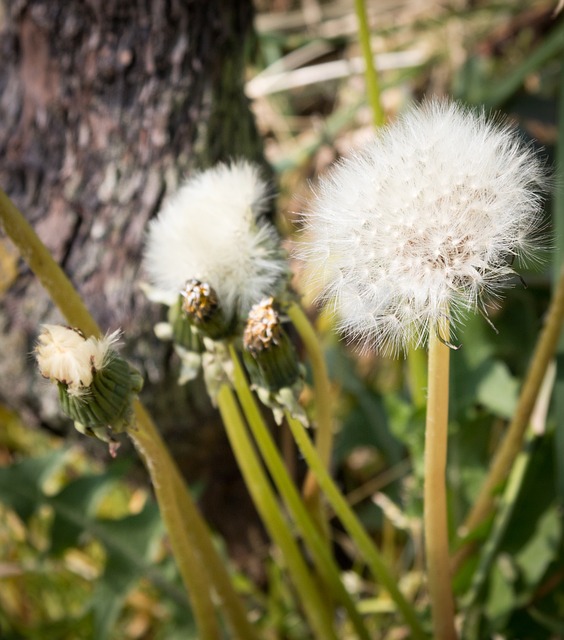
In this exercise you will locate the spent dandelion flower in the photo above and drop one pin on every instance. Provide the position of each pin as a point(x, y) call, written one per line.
point(96, 386)
point(272, 362)
point(64, 355)
point(212, 243)
point(424, 223)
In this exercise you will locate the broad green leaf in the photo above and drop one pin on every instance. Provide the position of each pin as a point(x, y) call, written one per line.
point(73, 505)
point(21, 484)
point(497, 390)
point(501, 593)
point(535, 556)
point(128, 546)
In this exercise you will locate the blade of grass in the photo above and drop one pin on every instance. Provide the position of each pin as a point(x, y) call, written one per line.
point(513, 440)
point(372, 83)
point(551, 45)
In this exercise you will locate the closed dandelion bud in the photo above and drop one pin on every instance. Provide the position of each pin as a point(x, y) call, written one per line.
point(271, 361)
point(269, 354)
point(203, 310)
point(96, 386)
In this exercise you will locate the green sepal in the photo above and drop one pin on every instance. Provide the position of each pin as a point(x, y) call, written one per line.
point(215, 326)
point(184, 333)
point(275, 367)
point(105, 407)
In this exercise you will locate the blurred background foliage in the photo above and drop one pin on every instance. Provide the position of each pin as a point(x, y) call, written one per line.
point(82, 549)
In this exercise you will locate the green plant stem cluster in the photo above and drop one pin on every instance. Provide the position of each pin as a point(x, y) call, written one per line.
point(198, 561)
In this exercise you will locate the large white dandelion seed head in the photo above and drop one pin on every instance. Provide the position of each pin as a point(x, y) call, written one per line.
point(424, 222)
point(213, 230)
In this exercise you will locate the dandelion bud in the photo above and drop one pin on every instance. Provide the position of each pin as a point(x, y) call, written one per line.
point(268, 349)
point(423, 224)
point(271, 360)
point(96, 386)
point(203, 310)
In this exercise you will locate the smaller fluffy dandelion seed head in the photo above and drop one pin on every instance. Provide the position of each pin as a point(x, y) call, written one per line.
point(425, 221)
point(65, 355)
point(213, 230)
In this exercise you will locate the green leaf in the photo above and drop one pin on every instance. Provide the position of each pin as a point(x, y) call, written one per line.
point(501, 594)
point(497, 390)
point(21, 484)
point(80, 498)
point(127, 541)
point(536, 555)
point(128, 544)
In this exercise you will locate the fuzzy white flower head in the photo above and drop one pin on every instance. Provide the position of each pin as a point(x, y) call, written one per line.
point(65, 355)
point(212, 230)
point(423, 223)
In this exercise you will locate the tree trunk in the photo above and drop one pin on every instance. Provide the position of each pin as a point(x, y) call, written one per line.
point(103, 110)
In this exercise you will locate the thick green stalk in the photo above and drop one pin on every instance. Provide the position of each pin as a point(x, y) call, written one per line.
point(322, 390)
point(148, 438)
point(258, 484)
point(354, 527)
point(162, 469)
point(320, 552)
point(513, 440)
point(435, 501)
point(372, 83)
point(47, 271)
point(185, 547)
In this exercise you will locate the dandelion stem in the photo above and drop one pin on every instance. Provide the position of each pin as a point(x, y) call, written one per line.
point(321, 555)
point(513, 441)
point(314, 604)
point(192, 545)
point(355, 529)
point(322, 389)
point(48, 272)
point(151, 449)
point(372, 83)
point(435, 502)
point(417, 376)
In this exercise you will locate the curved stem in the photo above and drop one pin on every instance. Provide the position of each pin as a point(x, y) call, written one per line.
point(321, 555)
point(372, 83)
point(196, 551)
point(513, 441)
point(148, 439)
point(185, 547)
point(47, 271)
point(435, 501)
point(354, 528)
point(322, 389)
point(315, 606)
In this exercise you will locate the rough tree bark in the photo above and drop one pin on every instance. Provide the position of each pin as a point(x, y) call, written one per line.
point(104, 106)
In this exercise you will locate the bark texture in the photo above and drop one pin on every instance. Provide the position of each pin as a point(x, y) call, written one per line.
point(104, 107)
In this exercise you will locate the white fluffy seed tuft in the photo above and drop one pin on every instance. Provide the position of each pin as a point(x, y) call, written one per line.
point(213, 230)
point(425, 221)
point(65, 355)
